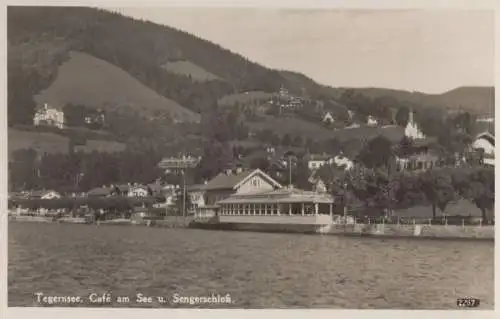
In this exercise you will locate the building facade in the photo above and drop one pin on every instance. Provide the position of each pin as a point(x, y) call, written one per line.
point(49, 116)
point(485, 143)
point(234, 181)
point(412, 130)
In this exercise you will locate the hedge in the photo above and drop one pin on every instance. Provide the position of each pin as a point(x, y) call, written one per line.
point(118, 202)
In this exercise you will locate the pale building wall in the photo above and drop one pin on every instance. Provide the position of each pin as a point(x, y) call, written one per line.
point(51, 195)
point(197, 199)
point(315, 164)
point(484, 144)
point(254, 185)
point(137, 192)
point(50, 115)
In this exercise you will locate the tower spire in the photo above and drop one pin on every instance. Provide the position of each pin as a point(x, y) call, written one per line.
point(410, 116)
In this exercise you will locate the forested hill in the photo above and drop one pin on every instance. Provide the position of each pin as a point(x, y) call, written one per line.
point(41, 38)
point(478, 99)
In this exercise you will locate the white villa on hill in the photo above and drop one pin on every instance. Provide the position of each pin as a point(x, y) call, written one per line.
point(47, 115)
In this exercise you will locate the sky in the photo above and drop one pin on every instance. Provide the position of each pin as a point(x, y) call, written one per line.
point(429, 51)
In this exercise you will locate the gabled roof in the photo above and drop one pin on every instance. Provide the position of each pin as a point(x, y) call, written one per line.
point(423, 142)
point(41, 193)
point(318, 157)
point(487, 136)
point(264, 175)
point(155, 187)
point(226, 181)
point(100, 191)
point(283, 195)
point(235, 180)
point(123, 188)
point(138, 187)
point(196, 187)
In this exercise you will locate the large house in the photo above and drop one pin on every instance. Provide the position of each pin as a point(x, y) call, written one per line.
point(315, 161)
point(421, 156)
point(342, 161)
point(286, 101)
point(49, 116)
point(196, 195)
point(486, 143)
point(235, 181)
point(138, 191)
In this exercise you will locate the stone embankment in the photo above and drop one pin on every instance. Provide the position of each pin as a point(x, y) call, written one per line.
point(421, 231)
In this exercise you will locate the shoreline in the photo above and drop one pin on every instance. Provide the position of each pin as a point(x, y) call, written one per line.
point(382, 231)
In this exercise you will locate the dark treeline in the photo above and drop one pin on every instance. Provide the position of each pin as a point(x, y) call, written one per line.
point(82, 171)
point(386, 190)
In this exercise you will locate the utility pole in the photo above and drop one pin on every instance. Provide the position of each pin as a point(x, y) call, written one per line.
point(289, 156)
point(180, 165)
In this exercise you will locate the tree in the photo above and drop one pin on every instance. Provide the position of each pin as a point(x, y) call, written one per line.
point(261, 163)
point(287, 140)
point(464, 122)
point(377, 153)
point(297, 141)
point(402, 116)
point(178, 203)
point(337, 184)
point(332, 146)
point(482, 190)
point(301, 174)
point(409, 192)
point(438, 188)
point(405, 147)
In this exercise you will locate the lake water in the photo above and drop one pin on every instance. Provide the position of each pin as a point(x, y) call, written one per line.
point(258, 270)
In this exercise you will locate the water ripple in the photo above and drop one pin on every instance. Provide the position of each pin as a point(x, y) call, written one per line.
point(257, 270)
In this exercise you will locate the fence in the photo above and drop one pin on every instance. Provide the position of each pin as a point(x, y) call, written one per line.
point(448, 220)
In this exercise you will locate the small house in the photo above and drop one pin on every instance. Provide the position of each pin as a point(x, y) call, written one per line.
point(45, 194)
point(328, 118)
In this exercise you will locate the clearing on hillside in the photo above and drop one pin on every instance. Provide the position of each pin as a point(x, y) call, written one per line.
point(188, 68)
point(54, 143)
point(90, 81)
point(245, 98)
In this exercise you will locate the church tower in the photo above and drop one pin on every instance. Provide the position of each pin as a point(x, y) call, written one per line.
point(410, 117)
point(412, 131)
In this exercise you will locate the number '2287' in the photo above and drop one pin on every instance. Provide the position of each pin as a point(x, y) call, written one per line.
point(468, 302)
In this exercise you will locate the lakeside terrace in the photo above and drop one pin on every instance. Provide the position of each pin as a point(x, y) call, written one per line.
point(285, 205)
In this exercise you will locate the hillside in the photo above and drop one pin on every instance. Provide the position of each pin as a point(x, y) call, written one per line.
point(100, 84)
point(102, 59)
point(54, 143)
point(246, 98)
point(190, 69)
point(474, 99)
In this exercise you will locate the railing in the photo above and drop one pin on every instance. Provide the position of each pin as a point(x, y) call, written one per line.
point(451, 220)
